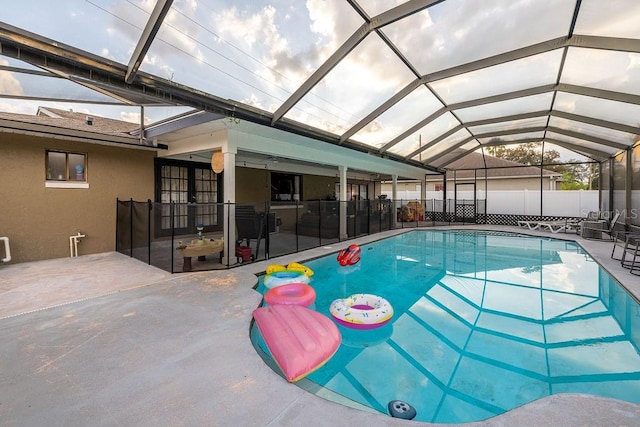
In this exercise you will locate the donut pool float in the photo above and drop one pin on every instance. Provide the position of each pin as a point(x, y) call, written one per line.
point(279, 278)
point(361, 311)
point(292, 294)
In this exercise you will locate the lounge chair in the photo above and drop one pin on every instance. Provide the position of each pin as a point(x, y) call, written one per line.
point(596, 229)
point(531, 225)
point(554, 226)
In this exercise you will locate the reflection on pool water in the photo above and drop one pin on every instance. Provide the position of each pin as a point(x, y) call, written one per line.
point(484, 322)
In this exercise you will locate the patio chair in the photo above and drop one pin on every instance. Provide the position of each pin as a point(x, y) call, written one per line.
point(249, 225)
point(630, 246)
point(595, 229)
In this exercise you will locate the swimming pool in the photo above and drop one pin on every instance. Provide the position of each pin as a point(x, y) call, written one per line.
point(484, 322)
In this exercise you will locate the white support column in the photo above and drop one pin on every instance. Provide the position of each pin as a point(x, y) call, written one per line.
point(343, 204)
point(229, 151)
point(394, 198)
point(423, 196)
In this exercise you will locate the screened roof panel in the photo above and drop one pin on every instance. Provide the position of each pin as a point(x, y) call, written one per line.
point(537, 70)
point(37, 86)
point(110, 28)
point(373, 8)
point(514, 137)
point(592, 130)
point(352, 72)
point(514, 125)
point(446, 157)
point(6, 61)
point(448, 143)
point(424, 135)
point(618, 19)
point(604, 109)
point(420, 103)
point(199, 45)
point(450, 33)
point(521, 105)
point(610, 70)
point(581, 142)
point(548, 146)
point(346, 95)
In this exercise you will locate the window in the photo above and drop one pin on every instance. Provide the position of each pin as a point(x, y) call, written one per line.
point(355, 191)
point(67, 167)
point(285, 187)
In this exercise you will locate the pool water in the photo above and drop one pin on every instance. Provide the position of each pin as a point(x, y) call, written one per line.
point(484, 322)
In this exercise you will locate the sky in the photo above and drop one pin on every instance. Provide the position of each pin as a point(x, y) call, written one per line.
point(259, 52)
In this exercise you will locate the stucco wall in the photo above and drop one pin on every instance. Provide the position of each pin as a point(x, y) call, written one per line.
point(252, 186)
point(39, 220)
point(318, 187)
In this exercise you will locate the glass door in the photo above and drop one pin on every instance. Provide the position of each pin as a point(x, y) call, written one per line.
point(193, 191)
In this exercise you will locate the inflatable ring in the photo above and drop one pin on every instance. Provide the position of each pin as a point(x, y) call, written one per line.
point(291, 293)
point(294, 266)
point(279, 278)
point(361, 311)
point(275, 267)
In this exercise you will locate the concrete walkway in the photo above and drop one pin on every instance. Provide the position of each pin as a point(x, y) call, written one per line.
point(106, 340)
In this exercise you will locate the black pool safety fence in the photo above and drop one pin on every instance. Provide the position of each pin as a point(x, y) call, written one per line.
point(189, 236)
point(179, 237)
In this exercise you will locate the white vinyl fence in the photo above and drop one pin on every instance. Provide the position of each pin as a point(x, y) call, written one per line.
point(571, 203)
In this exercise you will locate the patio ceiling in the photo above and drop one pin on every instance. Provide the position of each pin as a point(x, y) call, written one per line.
point(421, 82)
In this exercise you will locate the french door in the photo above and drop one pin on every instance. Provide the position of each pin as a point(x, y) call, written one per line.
point(194, 190)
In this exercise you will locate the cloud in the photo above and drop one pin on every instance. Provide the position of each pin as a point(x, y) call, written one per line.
point(9, 84)
point(132, 117)
point(447, 37)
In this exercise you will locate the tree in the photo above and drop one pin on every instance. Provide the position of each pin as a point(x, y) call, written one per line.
point(575, 175)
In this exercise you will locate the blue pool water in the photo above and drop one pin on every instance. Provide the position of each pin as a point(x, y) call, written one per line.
point(484, 322)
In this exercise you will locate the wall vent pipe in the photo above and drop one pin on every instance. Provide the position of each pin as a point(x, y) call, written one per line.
point(73, 244)
point(7, 250)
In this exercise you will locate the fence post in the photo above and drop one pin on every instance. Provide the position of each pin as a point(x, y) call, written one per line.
point(173, 234)
point(267, 223)
point(131, 227)
point(117, 222)
point(149, 205)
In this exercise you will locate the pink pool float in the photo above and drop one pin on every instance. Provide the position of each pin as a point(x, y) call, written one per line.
point(299, 339)
point(291, 293)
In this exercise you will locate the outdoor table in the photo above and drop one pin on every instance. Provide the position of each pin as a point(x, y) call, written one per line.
point(200, 248)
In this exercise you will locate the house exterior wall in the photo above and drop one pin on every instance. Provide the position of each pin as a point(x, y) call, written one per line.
point(253, 185)
point(39, 220)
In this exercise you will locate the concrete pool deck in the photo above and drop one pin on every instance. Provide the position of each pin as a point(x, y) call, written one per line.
point(107, 340)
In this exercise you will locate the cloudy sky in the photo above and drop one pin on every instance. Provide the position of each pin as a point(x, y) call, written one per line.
point(258, 52)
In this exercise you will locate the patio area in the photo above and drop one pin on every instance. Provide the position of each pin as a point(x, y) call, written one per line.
point(107, 340)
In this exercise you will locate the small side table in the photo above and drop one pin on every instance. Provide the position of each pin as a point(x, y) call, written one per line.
point(199, 248)
point(592, 229)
